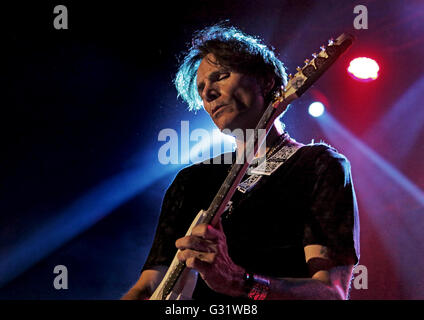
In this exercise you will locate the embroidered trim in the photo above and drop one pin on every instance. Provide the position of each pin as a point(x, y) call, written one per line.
point(249, 183)
point(270, 166)
point(267, 167)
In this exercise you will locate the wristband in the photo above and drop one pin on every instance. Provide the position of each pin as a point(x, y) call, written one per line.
point(256, 286)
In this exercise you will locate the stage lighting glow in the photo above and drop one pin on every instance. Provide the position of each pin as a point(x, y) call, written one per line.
point(211, 144)
point(363, 69)
point(316, 109)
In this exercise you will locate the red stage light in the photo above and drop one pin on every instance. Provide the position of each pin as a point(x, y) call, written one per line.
point(363, 69)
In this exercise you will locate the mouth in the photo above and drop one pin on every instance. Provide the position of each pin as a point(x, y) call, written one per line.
point(216, 109)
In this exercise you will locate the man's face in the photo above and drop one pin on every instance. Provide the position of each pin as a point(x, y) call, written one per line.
point(233, 100)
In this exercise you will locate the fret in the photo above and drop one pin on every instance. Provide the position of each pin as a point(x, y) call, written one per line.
point(173, 278)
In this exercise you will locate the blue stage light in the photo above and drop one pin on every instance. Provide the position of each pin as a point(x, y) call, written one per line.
point(316, 109)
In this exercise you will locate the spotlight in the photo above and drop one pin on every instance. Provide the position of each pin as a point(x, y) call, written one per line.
point(363, 69)
point(316, 109)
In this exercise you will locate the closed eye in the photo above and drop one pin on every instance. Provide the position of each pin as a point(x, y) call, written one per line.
point(223, 76)
point(213, 77)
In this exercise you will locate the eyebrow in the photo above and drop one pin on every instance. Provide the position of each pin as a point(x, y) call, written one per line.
point(211, 77)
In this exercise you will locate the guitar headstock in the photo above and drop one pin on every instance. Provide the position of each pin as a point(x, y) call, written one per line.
point(313, 69)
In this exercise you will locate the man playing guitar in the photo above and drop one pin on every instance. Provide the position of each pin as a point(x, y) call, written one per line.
point(294, 232)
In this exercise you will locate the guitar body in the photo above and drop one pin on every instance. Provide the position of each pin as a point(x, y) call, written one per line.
point(184, 287)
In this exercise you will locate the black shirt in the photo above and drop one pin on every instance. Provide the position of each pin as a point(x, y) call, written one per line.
point(310, 199)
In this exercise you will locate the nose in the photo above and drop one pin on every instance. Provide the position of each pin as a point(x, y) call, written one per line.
point(211, 93)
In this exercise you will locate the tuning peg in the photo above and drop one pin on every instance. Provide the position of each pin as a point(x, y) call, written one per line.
point(331, 42)
point(298, 69)
point(322, 48)
point(307, 61)
point(290, 76)
point(314, 55)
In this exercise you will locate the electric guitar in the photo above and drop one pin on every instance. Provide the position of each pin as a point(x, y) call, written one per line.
point(179, 282)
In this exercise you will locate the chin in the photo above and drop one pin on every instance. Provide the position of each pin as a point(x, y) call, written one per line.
point(227, 125)
point(232, 121)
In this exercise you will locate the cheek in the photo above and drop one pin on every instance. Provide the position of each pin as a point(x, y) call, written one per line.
point(247, 92)
point(248, 97)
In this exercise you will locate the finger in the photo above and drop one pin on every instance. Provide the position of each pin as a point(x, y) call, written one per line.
point(185, 255)
point(199, 265)
point(206, 231)
point(207, 257)
point(196, 243)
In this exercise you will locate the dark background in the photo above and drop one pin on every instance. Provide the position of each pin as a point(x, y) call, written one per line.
point(81, 109)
